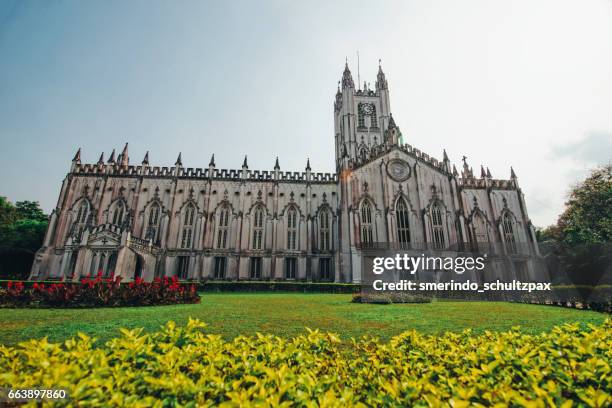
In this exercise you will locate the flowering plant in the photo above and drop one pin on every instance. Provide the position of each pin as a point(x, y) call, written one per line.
point(98, 291)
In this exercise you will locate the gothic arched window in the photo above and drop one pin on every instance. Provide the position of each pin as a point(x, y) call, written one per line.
point(80, 222)
point(291, 228)
point(508, 229)
point(118, 213)
point(324, 230)
point(223, 228)
point(153, 222)
point(437, 226)
point(366, 223)
point(258, 228)
point(479, 226)
point(403, 226)
point(188, 226)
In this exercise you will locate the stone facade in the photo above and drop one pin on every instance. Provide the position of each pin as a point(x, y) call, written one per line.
point(210, 223)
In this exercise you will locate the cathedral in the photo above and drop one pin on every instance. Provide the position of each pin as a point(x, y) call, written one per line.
point(118, 218)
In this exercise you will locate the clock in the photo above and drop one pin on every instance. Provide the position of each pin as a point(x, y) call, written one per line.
point(398, 170)
point(366, 108)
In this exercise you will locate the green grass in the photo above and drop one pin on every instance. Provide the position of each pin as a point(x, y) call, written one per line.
point(232, 314)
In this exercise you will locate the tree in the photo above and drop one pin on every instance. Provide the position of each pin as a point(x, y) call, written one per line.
point(587, 218)
point(22, 230)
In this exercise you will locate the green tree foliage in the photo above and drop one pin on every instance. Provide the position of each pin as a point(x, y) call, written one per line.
point(582, 237)
point(22, 230)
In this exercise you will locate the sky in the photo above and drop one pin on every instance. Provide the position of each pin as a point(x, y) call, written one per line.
point(516, 83)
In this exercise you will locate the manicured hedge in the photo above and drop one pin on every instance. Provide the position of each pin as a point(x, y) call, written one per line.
point(278, 286)
point(188, 366)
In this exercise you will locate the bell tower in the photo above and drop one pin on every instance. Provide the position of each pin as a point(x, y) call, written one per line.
point(361, 116)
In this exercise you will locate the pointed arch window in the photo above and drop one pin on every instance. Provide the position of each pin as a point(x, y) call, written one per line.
point(258, 228)
point(324, 230)
point(403, 226)
point(366, 223)
point(153, 222)
point(223, 228)
point(188, 226)
point(508, 230)
point(292, 228)
point(479, 226)
point(437, 226)
point(80, 222)
point(118, 213)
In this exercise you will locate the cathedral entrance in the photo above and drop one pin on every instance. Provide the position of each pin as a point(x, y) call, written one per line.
point(138, 267)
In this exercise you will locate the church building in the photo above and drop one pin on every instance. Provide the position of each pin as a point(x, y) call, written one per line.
point(138, 220)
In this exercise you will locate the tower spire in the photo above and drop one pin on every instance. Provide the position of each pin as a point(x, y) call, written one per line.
point(111, 159)
point(101, 159)
point(77, 156)
point(347, 78)
point(125, 159)
point(381, 80)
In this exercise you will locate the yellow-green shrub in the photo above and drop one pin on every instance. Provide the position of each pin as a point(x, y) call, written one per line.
point(186, 366)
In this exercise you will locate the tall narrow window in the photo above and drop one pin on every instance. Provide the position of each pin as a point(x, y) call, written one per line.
point(256, 268)
point(508, 228)
point(373, 120)
point(188, 226)
point(292, 228)
point(436, 225)
point(325, 269)
point(182, 270)
point(324, 230)
point(479, 227)
point(366, 223)
point(223, 228)
point(153, 222)
point(220, 267)
point(403, 226)
point(290, 268)
point(258, 228)
point(118, 213)
point(80, 222)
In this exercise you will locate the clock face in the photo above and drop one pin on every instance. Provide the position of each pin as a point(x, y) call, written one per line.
point(398, 170)
point(367, 108)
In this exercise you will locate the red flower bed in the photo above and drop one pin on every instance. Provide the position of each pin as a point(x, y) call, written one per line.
point(98, 291)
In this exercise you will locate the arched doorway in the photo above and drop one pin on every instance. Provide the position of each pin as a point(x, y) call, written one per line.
point(138, 267)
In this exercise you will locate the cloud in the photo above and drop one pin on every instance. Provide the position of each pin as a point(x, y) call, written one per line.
point(595, 148)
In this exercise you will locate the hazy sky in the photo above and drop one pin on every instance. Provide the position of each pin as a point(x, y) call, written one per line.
point(521, 83)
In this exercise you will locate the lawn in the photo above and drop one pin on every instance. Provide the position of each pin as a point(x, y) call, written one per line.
point(232, 314)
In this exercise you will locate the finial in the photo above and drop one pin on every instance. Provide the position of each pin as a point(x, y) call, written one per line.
point(488, 173)
point(455, 172)
point(445, 156)
point(101, 159)
point(125, 159)
point(308, 164)
point(244, 163)
point(483, 174)
point(512, 173)
point(212, 161)
point(179, 160)
point(77, 156)
point(379, 63)
point(276, 165)
point(145, 161)
point(464, 159)
point(111, 159)
point(391, 122)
